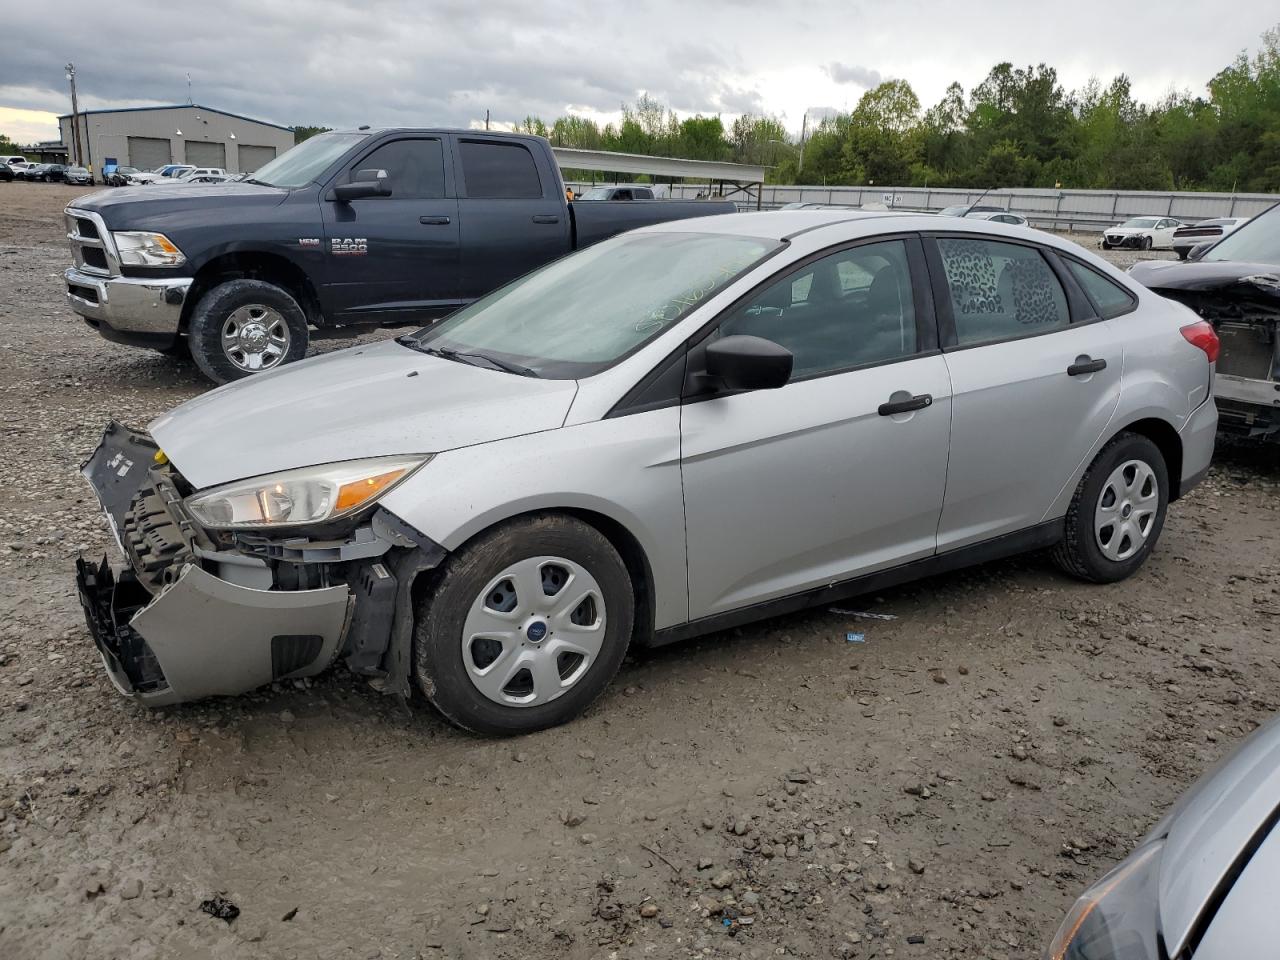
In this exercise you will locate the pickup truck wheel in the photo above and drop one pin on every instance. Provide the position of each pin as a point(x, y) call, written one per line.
point(524, 627)
point(243, 327)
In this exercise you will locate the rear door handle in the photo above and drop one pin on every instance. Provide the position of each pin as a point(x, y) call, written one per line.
point(434, 221)
point(545, 218)
point(1085, 364)
point(918, 402)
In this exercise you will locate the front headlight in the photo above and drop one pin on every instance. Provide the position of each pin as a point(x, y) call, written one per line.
point(308, 495)
point(1118, 917)
point(138, 248)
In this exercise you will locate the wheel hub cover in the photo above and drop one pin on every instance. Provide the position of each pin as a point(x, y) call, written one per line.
point(253, 337)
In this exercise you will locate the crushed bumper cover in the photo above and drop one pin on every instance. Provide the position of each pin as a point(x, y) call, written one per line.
point(204, 637)
point(189, 634)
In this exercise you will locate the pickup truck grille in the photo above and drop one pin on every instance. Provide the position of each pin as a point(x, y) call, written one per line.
point(91, 247)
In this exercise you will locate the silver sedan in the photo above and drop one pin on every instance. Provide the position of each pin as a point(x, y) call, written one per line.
point(684, 428)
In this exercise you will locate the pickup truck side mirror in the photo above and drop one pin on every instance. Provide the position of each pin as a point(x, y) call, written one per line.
point(367, 183)
point(1199, 250)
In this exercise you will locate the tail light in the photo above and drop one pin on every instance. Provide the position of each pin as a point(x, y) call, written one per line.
point(1202, 335)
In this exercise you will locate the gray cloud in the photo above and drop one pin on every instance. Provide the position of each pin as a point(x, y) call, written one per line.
point(444, 62)
point(853, 73)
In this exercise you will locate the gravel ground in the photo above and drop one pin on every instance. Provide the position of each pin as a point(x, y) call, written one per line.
point(944, 789)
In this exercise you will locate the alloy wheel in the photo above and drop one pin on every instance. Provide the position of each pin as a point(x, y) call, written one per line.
point(534, 632)
point(1126, 510)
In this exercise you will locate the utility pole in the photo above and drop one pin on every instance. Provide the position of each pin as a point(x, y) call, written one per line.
point(75, 114)
point(804, 128)
point(486, 119)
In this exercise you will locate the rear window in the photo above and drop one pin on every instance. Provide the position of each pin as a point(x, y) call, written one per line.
point(494, 170)
point(1111, 298)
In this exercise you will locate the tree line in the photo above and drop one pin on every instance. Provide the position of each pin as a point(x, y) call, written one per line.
point(1019, 127)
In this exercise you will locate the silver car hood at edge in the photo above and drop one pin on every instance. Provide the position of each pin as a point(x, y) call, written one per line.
point(1211, 825)
point(360, 402)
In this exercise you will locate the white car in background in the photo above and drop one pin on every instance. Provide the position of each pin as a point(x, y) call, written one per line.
point(196, 175)
point(999, 216)
point(1141, 233)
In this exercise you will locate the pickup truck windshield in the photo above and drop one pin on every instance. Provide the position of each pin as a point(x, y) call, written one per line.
point(302, 164)
point(1258, 241)
point(583, 313)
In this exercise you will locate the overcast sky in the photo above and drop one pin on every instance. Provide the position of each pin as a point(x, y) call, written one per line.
point(444, 62)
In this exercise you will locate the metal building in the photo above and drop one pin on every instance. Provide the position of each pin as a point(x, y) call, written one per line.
point(149, 137)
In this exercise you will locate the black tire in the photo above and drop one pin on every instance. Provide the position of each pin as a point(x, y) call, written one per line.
point(204, 334)
point(1182, 254)
point(1147, 243)
point(1079, 554)
point(442, 612)
point(1105, 245)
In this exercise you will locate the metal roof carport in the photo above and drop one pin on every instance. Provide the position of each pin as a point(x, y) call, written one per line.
point(743, 178)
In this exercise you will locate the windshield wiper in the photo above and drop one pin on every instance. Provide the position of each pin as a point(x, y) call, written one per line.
point(261, 183)
point(459, 356)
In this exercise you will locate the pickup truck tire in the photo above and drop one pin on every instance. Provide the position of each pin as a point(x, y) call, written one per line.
point(243, 327)
point(524, 627)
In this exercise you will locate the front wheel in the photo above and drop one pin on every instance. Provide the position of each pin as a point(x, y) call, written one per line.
point(243, 327)
point(524, 627)
point(1147, 243)
point(1117, 513)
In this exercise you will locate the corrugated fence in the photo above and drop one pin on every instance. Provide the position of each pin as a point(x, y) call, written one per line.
point(1081, 210)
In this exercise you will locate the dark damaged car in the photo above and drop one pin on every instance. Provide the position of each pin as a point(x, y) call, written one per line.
point(1235, 285)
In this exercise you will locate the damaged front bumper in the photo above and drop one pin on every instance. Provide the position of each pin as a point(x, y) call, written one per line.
point(205, 637)
point(196, 613)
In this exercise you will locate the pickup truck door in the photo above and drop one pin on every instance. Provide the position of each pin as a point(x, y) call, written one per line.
point(514, 215)
point(395, 258)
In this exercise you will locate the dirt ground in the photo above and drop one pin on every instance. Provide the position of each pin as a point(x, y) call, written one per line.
point(945, 788)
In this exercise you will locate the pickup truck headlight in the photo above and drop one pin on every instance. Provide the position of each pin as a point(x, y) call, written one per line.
point(308, 495)
point(1118, 917)
point(138, 248)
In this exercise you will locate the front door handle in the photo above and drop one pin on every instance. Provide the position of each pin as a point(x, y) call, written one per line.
point(1085, 364)
point(918, 402)
point(545, 218)
point(434, 221)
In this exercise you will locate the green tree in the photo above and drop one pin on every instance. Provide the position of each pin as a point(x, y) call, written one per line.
point(301, 133)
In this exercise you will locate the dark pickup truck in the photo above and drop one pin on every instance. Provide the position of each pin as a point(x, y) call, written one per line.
point(346, 231)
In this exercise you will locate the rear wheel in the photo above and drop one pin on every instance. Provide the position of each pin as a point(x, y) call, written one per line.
point(243, 327)
point(524, 627)
point(1117, 513)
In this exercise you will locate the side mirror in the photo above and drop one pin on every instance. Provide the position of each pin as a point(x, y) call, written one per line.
point(1199, 250)
point(749, 363)
point(367, 183)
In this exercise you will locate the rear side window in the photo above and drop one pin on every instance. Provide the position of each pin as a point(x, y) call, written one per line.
point(1110, 298)
point(499, 170)
point(415, 168)
point(1000, 291)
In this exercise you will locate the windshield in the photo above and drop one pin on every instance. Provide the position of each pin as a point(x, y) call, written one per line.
point(1140, 222)
point(579, 315)
point(302, 164)
point(599, 193)
point(1257, 240)
point(959, 211)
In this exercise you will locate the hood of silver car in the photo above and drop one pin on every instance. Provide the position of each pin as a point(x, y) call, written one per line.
point(1211, 826)
point(361, 402)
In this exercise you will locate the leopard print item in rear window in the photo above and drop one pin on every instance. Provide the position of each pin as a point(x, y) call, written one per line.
point(971, 274)
point(1033, 292)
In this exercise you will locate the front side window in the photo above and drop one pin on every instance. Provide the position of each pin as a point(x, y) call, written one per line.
point(1000, 291)
point(1111, 298)
point(414, 168)
point(848, 309)
point(581, 314)
point(499, 171)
